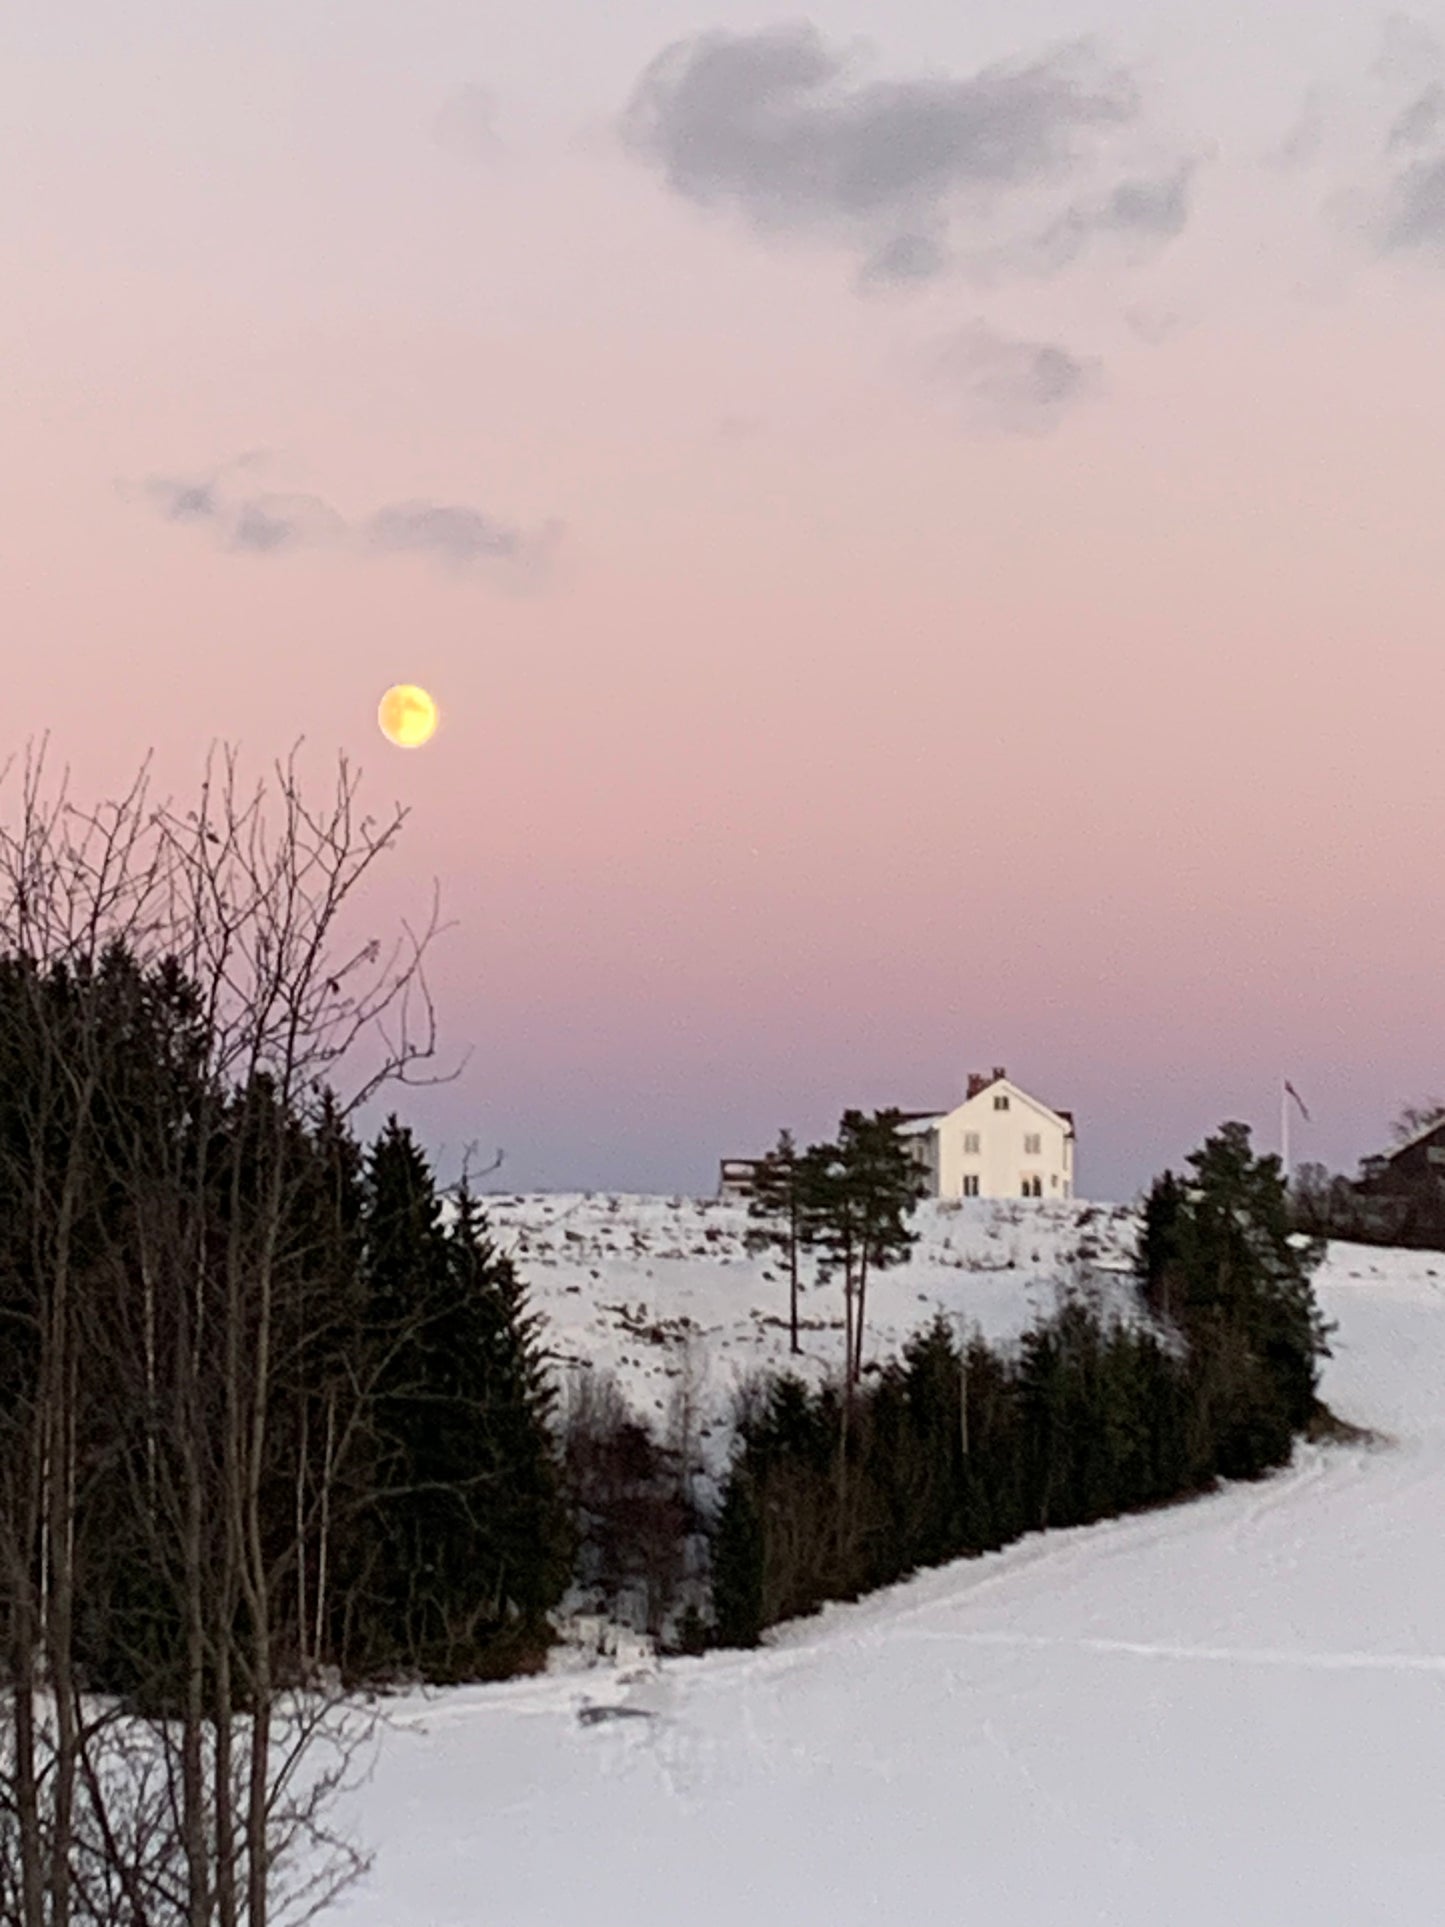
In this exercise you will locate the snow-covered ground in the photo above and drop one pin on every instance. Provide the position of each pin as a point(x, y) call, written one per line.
point(661, 1291)
point(1227, 1714)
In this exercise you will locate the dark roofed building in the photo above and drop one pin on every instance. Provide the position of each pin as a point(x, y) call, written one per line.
point(1405, 1188)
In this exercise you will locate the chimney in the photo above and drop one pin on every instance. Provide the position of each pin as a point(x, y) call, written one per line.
point(976, 1082)
point(999, 1073)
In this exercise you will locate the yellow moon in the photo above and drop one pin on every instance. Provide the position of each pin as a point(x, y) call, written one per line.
point(407, 715)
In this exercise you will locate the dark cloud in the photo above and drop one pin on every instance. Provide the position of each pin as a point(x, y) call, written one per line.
point(180, 501)
point(273, 524)
point(1416, 217)
point(776, 125)
point(1010, 385)
point(255, 524)
point(266, 524)
point(452, 533)
point(903, 258)
point(1412, 208)
point(1144, 211)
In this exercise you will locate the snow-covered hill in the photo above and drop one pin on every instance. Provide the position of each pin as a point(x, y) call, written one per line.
point(659, 1291)
point(1227, 1712)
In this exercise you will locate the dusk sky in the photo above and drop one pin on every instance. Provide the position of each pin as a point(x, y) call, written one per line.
point(924, 524)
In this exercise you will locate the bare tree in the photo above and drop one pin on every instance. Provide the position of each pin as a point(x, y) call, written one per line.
point(184, 993)
point(1416, 1118)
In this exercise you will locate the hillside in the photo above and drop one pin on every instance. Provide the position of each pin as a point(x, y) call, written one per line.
point(1229, 1711)
point(660, 1291)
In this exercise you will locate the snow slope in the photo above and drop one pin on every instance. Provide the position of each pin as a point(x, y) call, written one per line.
point(1228, 1712)
point(657, 1291)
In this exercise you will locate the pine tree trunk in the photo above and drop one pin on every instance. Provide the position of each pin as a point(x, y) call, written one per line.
point(793, 1280)
point(862, 1301)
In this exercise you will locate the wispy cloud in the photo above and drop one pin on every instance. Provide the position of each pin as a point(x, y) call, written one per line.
point(1141, 212)
point(778, 126)
point(1002, 384)
point(1421, 120)
point(262, 524)
point(1305, 139)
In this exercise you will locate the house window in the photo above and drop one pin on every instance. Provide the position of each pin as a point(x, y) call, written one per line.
point(1000, 1103)
point(1034, 1144)
point(1031, 1187)
point(970, 1185)
point(970, 1144)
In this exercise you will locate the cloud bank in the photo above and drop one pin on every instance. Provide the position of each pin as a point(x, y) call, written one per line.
point(777, 126)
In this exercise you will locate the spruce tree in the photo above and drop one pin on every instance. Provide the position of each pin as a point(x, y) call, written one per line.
point(1219, 1260)
point(521, 1537)
point(469, 1543)
point(1240, 1259)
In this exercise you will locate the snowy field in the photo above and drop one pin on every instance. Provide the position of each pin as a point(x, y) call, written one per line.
point(1228, 1714)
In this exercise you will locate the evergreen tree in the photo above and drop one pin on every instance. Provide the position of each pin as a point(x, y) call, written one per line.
point(522, 1538)
point(1218, 1259)
point(861, 1191)
point(1241, 1259)
point(467, 1537)
point(782, 1215)
point(737, 1563)
point(1159, 1253)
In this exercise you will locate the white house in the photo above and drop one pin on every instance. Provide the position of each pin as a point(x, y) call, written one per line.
point(998, 1143)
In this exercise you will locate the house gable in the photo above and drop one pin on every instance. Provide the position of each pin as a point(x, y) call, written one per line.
point(981, 1104)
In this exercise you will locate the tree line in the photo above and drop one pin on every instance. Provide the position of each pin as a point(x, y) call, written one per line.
point(959, 1448)
point(273, 1421)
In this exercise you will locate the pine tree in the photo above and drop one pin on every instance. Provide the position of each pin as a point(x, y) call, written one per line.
point(862, 1190)
point(781, 1215)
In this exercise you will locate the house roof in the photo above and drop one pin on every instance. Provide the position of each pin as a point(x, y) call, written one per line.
point(919, 1123)
point(1422, 1136)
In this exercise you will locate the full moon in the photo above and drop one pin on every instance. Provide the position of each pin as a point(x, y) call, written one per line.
point(407, 715)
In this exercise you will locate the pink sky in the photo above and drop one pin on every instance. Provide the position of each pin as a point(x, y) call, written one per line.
point(860, 710)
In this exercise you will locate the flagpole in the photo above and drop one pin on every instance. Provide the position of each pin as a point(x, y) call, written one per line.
point(1284, 1129)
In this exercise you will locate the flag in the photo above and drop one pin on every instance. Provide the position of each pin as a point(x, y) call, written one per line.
point(1298, 1100)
